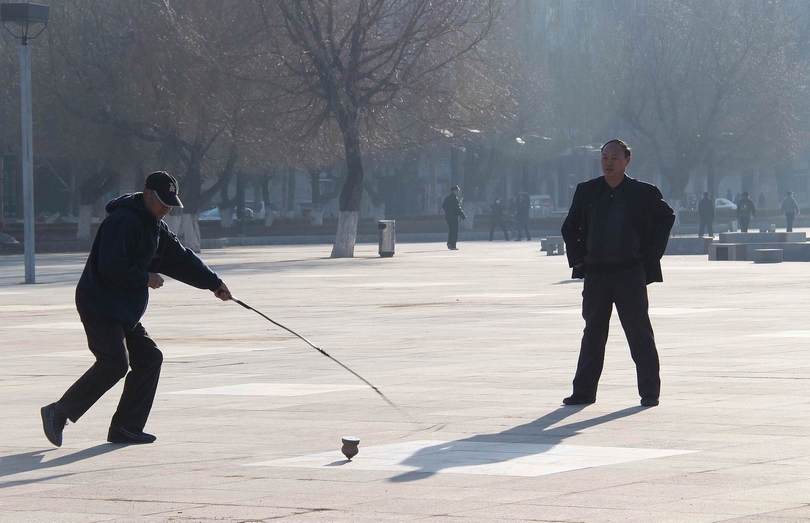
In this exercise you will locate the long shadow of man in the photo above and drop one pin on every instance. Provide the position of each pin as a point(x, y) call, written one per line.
point(435, 458)
point(30, 461)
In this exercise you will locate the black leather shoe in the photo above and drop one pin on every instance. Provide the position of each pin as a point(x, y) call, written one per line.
point(129, 436)
point(53, 423)
point(578, 400)
point(649, 402)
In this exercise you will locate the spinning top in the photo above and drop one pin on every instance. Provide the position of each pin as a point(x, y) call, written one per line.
point(349, 448)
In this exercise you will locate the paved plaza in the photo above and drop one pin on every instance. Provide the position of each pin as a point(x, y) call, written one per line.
point(476, 347)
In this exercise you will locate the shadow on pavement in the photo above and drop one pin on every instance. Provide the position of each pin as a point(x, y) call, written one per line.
point(429, 459)
point(31, 461)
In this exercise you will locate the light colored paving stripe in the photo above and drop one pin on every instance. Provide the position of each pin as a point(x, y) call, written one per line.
point(63, 325)
point(173, 352)
point(782, 334)
point(469, 457)
point(654, 311)
point(271, 389)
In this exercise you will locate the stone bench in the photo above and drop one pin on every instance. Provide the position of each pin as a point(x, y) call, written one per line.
point(768, 255)
point(554, 245)
point(726, 251)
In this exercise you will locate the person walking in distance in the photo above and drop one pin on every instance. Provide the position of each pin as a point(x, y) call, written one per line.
point(452, 212)
point(523, 205)
point(132, 248)
point(790, 209)
point(745, 210)
point(706, 214)
point(496, 219)
point(615, 234)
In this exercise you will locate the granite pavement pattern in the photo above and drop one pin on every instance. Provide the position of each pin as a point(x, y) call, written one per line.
point(477, 346)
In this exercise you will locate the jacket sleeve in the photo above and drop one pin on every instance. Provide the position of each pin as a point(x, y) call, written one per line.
point(182, 264)
point(118, 240)
point(573, 229)
point(663, 218)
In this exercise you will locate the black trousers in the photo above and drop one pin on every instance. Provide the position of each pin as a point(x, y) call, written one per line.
point(744, 221)
point(628, 290)
point(110, 344)
point(500, 224)
point(789, 216)
point(705, 226)
point(452, 236)
point(523, 225)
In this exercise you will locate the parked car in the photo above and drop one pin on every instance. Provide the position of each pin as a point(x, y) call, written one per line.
point(542, 205)
point(722, 203)
point(213, 214)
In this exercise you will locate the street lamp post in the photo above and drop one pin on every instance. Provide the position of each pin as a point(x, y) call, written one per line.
point(26, 17)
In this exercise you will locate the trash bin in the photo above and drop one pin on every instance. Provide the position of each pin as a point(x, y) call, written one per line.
point(388, 237)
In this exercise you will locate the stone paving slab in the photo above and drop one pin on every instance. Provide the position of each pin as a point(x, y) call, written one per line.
point(477, 346)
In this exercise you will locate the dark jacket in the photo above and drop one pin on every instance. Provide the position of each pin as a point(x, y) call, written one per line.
point(129, 244)
point(650, 215)
point(523, 206)
point(745, 208)
point(496, 212)
point(452, 208)
point(706, 209)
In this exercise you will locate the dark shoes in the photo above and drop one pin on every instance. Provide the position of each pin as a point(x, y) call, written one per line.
point(649, 402)
point(129, 436)
point(578, 400)
point(53, 423)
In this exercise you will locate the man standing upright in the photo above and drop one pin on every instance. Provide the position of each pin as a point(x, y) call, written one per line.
point(745, 210)
point(706, 214)
point(496, 219)
point(615, 235)
point(452, 212)
point(790, 209)
point(132, 248)
point(522, 215)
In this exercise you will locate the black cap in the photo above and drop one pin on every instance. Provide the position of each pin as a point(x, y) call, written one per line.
point(165, 186)
point(455, 188)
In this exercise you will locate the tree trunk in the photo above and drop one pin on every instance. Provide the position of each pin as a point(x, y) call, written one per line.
point(191, 228)
point(226, 217)
point(317, 214)
point(351, 194)
point(85, 222)
point(346, 234)
point(174, 221)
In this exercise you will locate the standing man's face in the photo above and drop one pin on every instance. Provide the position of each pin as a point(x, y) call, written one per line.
point(614, 163)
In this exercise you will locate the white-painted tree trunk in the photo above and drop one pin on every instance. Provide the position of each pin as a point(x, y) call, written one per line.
point(174, 223)
point(346, 235)
point(191, 236)
point(226, 217)
point(317, 214)
point(85, 222)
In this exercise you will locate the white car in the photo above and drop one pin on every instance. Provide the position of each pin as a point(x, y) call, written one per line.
point(722, 203)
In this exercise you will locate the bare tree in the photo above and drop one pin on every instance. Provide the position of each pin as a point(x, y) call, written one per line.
point(710, 81)
point(166, 73)
point(342, 61)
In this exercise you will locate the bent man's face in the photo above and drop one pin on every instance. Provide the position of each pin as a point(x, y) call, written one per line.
point(155, 206)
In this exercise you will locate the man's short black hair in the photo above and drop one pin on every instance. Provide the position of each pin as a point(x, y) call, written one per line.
point(627, 152)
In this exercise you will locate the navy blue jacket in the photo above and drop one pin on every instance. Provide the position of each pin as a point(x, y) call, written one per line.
point(129, 244)
point(651, 216)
